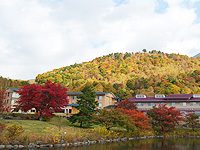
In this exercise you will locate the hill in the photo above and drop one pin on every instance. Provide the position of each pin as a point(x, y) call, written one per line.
point(5, 82)
point(127, 74)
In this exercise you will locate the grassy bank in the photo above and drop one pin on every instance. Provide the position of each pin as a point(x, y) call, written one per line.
point(59, 130)
point(52, 131)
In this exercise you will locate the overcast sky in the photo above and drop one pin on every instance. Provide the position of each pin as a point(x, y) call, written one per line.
point(37, 36)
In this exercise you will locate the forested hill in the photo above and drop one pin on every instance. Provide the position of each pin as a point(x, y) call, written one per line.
point(5, 82)
point(127, 74)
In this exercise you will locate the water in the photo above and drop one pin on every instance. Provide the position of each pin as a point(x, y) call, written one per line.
point(146, 144)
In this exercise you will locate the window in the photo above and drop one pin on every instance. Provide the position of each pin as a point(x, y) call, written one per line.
point(150, 104)
point(159, 96)
point(140, 104)
point(100, 97)
point(32, 110)
point(74, 97)
point(70, 111)
point(100, 104)
point(196, 95)
point(140, 96)
point(7, 101)
point(183, 104)
point(193, 103)
point(171, 104)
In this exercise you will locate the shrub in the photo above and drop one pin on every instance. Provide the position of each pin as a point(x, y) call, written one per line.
point(2, 127)
point(14, 130)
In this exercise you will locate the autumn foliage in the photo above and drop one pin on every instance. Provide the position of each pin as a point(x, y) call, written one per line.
point(127, 104)
point(192, 120)
point(129, 108)
point(46, 99)
point(164, 118)
point(139, 118)
point(2, 96)
point(128, 74)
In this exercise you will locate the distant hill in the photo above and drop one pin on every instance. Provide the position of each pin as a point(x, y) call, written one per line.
point(128, 74)
point(5, 82)
point(197, 55)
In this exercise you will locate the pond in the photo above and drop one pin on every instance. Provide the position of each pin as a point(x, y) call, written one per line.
point(146, 144)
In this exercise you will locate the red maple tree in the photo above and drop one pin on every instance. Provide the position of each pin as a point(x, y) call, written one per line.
point(164, 117)
point(127, 104)
point(139, 118)
point(129, 108)
point(46, 99)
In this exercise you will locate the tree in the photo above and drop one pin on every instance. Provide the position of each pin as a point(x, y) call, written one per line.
point(2, 97)
point(127, 104)
point(144, 50)
point(192, 120)
point(86, 106)
point(140, 120)
point(164, 117)
point(112, 118)
point(46, 99)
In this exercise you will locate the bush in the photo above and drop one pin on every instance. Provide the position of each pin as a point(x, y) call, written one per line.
point(14, 130)
point(2, 127)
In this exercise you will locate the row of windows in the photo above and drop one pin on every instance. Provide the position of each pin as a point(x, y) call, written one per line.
point(99, 97)
point(171, 104)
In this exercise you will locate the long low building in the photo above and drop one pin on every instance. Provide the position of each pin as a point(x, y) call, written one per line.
point(187, 103)
point(104, 99)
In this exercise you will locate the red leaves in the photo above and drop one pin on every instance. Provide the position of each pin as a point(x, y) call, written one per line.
point(139, 118)
point(127, 104)
point(165, 117)
point(46, 98)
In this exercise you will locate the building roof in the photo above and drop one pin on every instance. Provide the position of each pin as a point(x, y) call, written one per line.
point(179, 96)
point(111, 106)
point(73, 104)
point(97, 93)
point(14, 89)
point(169, 98)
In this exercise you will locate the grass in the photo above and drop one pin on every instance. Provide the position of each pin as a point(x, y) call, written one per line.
point(39, 127)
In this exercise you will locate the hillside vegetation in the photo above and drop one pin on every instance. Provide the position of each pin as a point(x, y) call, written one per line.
point(128, 74)
point(5, 82)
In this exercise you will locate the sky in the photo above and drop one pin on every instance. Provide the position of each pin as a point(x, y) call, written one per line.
point(37, 36)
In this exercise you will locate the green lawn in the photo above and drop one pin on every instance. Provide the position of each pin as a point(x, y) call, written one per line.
point(39, 127)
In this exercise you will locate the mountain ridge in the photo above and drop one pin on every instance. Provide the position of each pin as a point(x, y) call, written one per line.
point(127, 74)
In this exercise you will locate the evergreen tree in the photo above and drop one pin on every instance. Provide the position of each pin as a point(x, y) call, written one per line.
point(86, 106)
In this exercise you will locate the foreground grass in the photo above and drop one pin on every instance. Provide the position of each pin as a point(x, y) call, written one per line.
point(52, 131)
point(38, 127)
point(58, 129)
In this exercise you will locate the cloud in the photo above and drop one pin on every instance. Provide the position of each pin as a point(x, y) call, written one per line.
point(39, 36)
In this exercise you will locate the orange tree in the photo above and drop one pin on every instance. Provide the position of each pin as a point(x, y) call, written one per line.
point(140, 120)
point(164, 118)
point(129, 108)
point(46, 99)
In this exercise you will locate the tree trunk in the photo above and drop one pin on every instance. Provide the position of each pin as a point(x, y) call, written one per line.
point(81, 124)
point(40, 117)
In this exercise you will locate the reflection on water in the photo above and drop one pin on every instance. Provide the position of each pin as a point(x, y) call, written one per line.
point(146, 144)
